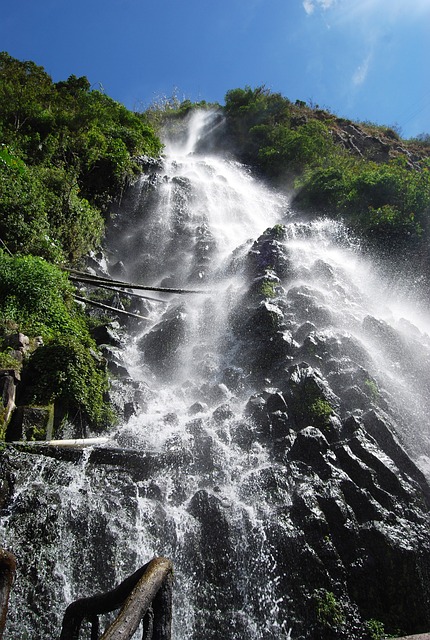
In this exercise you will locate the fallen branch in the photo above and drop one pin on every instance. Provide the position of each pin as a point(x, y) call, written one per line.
point(78, 443)
point(135, 595)
point(114, 289)
point(155, 587)
point(109, 308)
point(88, 278)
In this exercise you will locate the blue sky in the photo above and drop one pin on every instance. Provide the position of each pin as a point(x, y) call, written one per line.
point(362, 59)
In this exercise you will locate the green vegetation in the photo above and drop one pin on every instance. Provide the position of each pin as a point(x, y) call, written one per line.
point(328, 610)
point(268, 288)
point(297, 146)
point(387, 203)
point(66, 370)
point(66, 152)
point(37, 297)
point(320, 411)
point(372, 389)
point(376, 629)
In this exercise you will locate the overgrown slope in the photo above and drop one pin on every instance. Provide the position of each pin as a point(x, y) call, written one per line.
point(66, 151)
point(377, 182)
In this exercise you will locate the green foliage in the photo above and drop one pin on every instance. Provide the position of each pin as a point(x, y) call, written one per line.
point(66, 152)
point(293, 150)
point(376, 629)
point(387, 203)
point(24, 225)
point(372, 389)
point(8, 360)
point(279, 231)
point(73, 152)
point(268, 288)
point(320, 411)
point(66, 370)
point(328, 610)
point(37, 296)
point(8, 159)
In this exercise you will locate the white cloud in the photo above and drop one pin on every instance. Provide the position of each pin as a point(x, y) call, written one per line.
point(362, 70)
point(351, 9)
point(309, 6)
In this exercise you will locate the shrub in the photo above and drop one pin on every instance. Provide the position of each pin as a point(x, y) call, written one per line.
point(66, 370)
point(328, 611)
point(38, 297)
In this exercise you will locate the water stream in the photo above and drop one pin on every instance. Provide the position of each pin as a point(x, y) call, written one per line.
point(79, 528)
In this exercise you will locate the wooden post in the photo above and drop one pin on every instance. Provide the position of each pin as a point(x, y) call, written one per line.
point(7, 574)
point(139, 601)
point(162, 606)
point(135, 595)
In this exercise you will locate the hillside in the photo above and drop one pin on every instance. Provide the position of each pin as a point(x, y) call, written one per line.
point(69, 151)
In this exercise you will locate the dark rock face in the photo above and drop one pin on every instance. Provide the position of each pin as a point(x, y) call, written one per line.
point(350, 528)
point(344, 526)
point(161, 344)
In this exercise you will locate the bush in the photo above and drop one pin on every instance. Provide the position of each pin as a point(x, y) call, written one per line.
point(38, 297)
point(328, 610)
point(73, 152)
point(24, 224)
point(65, 370)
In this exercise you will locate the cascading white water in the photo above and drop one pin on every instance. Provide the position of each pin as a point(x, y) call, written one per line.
point(78, 529)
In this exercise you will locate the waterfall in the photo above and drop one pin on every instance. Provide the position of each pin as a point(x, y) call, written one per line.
point(292, 337)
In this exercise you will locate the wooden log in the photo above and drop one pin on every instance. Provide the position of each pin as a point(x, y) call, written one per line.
point(100, 305)
point(139, 601)
point(77, 443)
point(132, 285)
point(87, 608)
point(143, 583)
point(7, 574)
point(114, 289)
point(148, 625)
point(162, 606)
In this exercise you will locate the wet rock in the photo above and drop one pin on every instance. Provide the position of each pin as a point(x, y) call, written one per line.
point(31, 423)
point(223, 413)
point(233, 377)
point(308, 305)
point(323, 271)
point(386, 335)
point(109, 334)
point(304, 330)
point(310, 447)
point(162, 343)
point(310, 400)
point(256, 410)
point(268, 253)
point(198, 407)
point(264, 287)
point(204, 247)
point(118, 270)
point(380, 429)
point(216, 559)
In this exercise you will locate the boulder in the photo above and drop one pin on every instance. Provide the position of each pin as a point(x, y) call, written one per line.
point(31, 423)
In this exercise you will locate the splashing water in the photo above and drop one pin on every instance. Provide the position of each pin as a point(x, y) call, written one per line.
point(81, 528)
